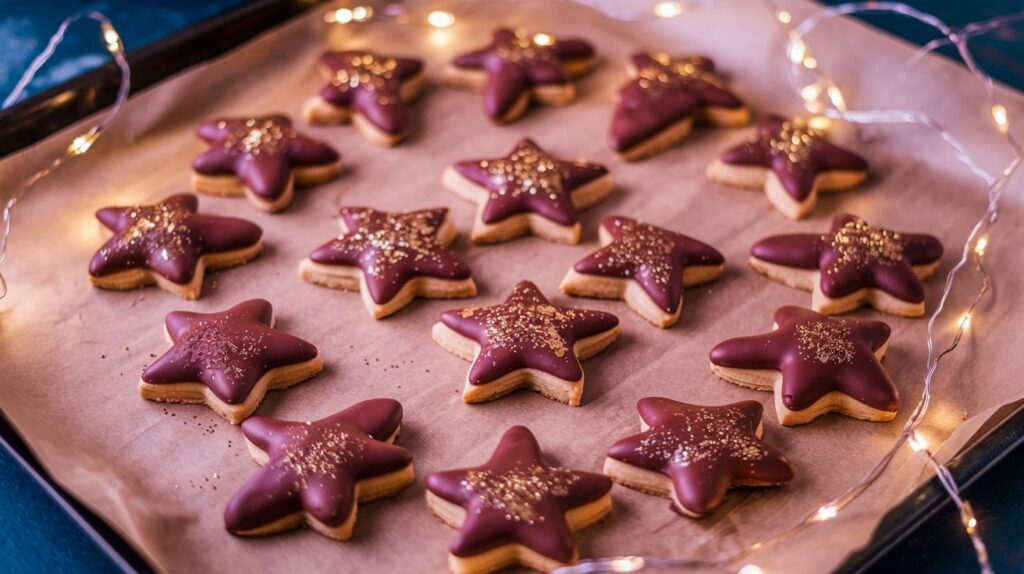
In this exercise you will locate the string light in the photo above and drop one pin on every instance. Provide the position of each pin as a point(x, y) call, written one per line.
point(441, 19)
point(543, 39)
point(980, 245)
point(750, 569)
point(965, 321)
point(810, 92)
point(82, 143)
point(999, 115)
point(797, 52)
point(820, 123)
point(361, 13)
point(668, 9)
point(783, 16)
point(827, 512)
point(810, 62)
point(916, 442)
point(340, 16)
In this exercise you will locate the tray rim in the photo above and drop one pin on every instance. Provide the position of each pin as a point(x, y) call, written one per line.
point(39, 116)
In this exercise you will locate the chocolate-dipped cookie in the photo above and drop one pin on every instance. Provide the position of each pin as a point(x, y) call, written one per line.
point(663, 99)
point(391, 258)
point(528, 191)
point(517, 67)
point(791, 162)
point(815, 364)
point(515, 509)
point(262, 158)
point(171, 245)
point(370, 90)
point(317, 472)
point(695, 454)
point(525, 342)
point(646, 266)
point(227, 360)
point(853, 264)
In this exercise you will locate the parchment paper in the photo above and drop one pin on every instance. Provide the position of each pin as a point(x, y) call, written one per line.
point(162, 474)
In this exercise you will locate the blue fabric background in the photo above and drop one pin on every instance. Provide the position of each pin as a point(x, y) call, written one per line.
point(35, 533)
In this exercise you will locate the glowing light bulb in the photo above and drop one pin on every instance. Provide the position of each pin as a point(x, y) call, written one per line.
point(965, 321)
point(543, 39)
point(441, 19)
point(82, 143)
point(967, 516)
point(440, 37)
point(668, 9)
point(999, 115)
point(112, 38)
point(627, 564)
point(916, 442)
point(810, 92)
point(981, 245)
point(750, 569)
point(820, 123)
point(810, 62)
point(827, 512)
point(784, 17)
point(361, 13)
point(836, 96)
point(341, 16)
point(797, 51)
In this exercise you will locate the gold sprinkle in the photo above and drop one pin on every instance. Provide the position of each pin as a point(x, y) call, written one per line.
point(703, 435)
point(859, 244)
point(517, 492)
point(825, 342)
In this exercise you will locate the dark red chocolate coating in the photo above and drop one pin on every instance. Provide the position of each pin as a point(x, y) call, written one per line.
point(370, 84)
point(392, 249)
point(653, 257)
point(515, 499)
point(816, 355)
point(514, 63)
point(259, 151)
point(527, 332)
point(529, 180)
point(663, 92)
point(167, 238)
point(795, 152)
point(315, 466)
point(703, 450)
point(853, 256)
point(227, 351)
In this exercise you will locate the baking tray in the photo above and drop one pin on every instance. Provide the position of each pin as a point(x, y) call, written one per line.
point(51, 110)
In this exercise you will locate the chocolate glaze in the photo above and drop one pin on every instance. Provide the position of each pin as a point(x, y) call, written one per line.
point(315, 466)
point(817, 354)
point(665, 91)
point(853, 256)
point(370, 84)
point(392, 249)
point(651, 256)
point(529, 180)
point(227, 351)
point(259, 151)
point(703, 450)
point(527, 332)
point(514, 63)
point(167, 238)
point(796, 153)
point(516, 499)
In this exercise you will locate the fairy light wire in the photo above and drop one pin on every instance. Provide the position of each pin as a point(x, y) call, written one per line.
point(81, 143)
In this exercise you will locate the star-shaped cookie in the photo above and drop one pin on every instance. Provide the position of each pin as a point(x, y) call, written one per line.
point(815, 364)
point(228, 360)
point(316, 472)
point(515, 509)
point(528, 191)
point(525, 342)
point(791, 162)
point(517, 67)
point(645, 265)
point(262, 158)
point(391, 258)
point(370, 90)
point(170, 245)
point(853, 264)
point(664, 97)
point(695, 454)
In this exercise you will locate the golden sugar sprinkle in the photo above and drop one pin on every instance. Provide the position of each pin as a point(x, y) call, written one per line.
point(254, 137)
point(640, 244)
point(159, 227)
point(371, 73)
point(517, 492)
point(795, 139)
point(860, 244)
point(400, 237)
point(329, 451)
point(528, 171)
point(667, 73)
point(825, 342)
point(702, 435)
point(212, 345)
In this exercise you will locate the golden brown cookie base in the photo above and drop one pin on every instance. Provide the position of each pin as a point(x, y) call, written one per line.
point(628, 290)
point(319, 111)
point(136, 278)
point(548, 385)
point(810, 280)
point(521, 224)
point(366, 490)
point(474, 80)
point(761, 178)
point(513, 554)
point(833, 402)
point(231, 186)
point(676, 132)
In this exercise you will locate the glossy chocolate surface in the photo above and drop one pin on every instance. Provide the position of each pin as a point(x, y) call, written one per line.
point(652, 256)
point(527, 332)
point(817, 354)
point(167, 238)
point(515, 498)
point(703, 450)
point(227, 351)
point(314, 466)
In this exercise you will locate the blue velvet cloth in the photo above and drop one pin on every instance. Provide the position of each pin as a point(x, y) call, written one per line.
point(36, 534)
